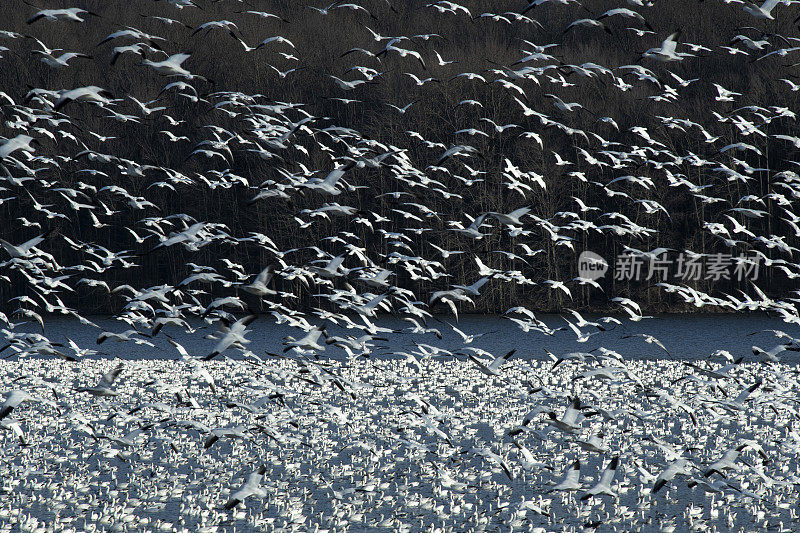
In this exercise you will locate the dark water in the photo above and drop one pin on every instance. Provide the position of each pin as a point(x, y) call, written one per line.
point(686, 337)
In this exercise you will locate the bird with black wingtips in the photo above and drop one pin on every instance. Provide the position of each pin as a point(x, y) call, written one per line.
point(251, 487)
point(603, 486)
point(104, 386)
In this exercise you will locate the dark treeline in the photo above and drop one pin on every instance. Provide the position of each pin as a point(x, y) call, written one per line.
point(639, 118)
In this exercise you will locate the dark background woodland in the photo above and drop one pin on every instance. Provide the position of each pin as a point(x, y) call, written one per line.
point(474, 46)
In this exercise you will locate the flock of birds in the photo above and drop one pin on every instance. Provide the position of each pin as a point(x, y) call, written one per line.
point(381, 444)
point(336, 431)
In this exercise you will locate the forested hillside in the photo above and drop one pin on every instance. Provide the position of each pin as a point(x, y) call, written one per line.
point(436, 113)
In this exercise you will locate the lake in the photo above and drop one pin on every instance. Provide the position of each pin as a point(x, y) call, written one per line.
point(687, 337)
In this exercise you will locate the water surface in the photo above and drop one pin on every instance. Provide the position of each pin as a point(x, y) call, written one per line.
point(686, 337)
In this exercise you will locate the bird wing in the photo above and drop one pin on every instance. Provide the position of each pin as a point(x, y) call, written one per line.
point(234, 501)
point(745, 393)
point(669, 473)
point(177, 59)
point(266, 275)
point(609, 472)
point(519, 212)
point(670, 44)
point(573, 474)
point(26, 246)
point(15, 397)
point(571, 414)
point(476, 224)
point(179, 347)
point(480, 363)
point(107, 379)
point(480, 283)
point(526, 453)
point(373, 303)
point(335, 263)
point(452, 305)
point(336, 174)
point(256, 477)
point(314, 335)
point(223, 344)
point(769, 5)
point(498, 362)
point(243, 322)
point(459, 332)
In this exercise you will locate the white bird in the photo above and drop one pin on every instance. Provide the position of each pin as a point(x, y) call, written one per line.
point(72, 13)
point(473, 230)
point(420, 82)
point(442, 62)
point(738, 403)
point(15, 428)
point(676, 467)
point(103, 387)
point(379, 280)
point(325, 10)
point(259, 285)
point(667, 51)
point(449, 297)
point(512, 218)
point(20, 142)
point(593, 444)
point(571, 481)
point(603, 487)
point(251, 487)
point(402, 110)
point(333, 268)
point(24, 250)
point(468, 338)
point(723, 94)
point(13, 400)
point(561, 105)
point(527, 459)
point(328, 186)
point(473, 289)
point(172, 66)
point(309, 342)
point(91, 94)
point(460, 149)
point(762, 12)
point(726, 462)
point(276, 39)
point(146, 111)
point(349, 85)
point(233, 335)
point(60, 61)
point(771, 355)
point(493, 368)
point(446, 253)
point(570, 422)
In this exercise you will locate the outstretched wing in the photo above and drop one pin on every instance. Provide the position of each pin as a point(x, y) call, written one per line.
point(670, 44)
point(266, 275)
point(497, 363)
point(608, 473)
point(107, 380)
